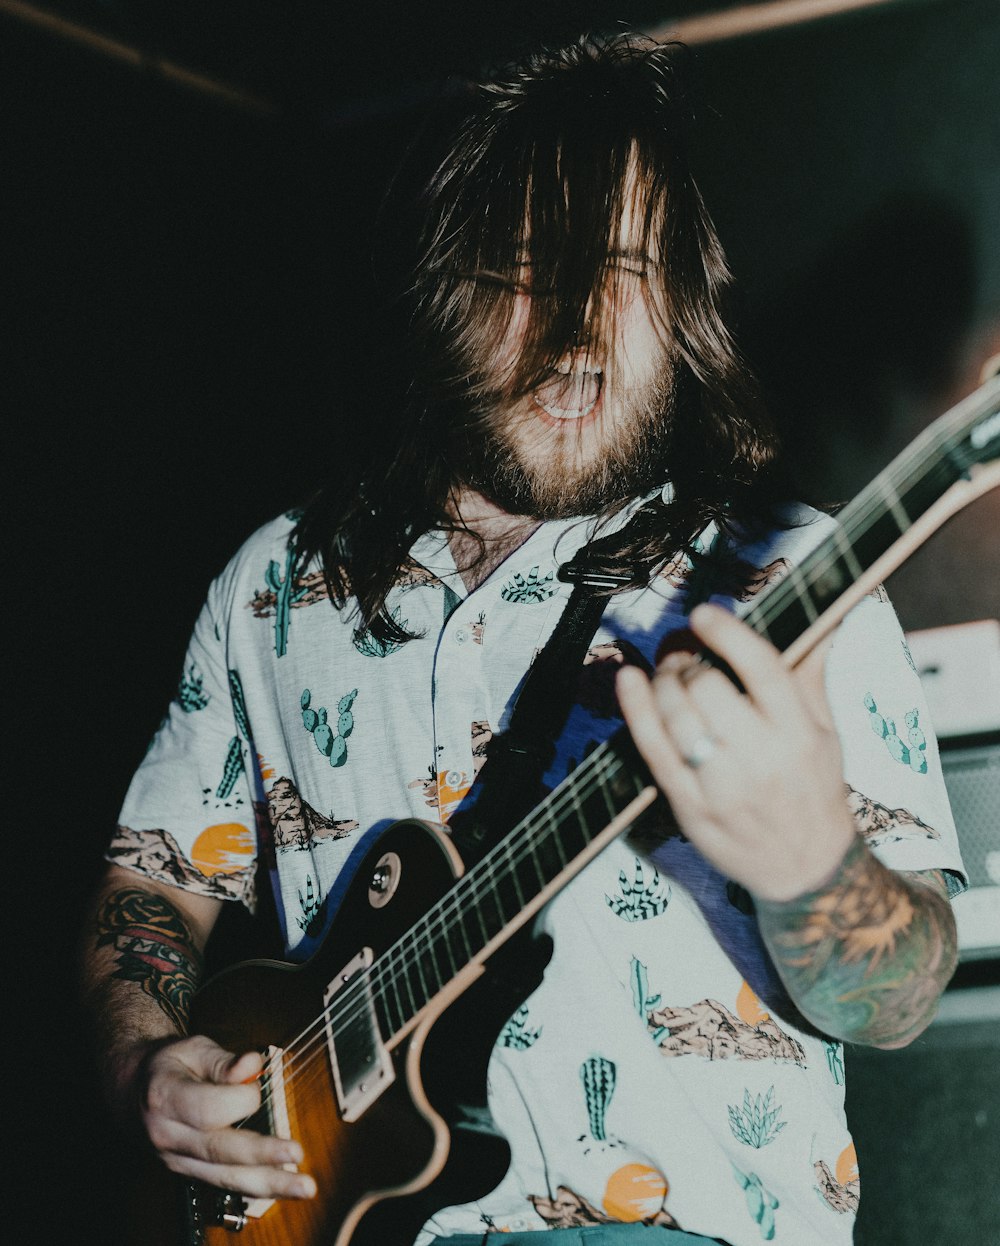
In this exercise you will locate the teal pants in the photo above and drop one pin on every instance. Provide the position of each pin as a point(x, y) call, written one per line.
point(592, 1235)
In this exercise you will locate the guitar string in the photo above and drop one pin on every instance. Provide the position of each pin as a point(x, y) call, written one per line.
point(854, 521)
point(436, 921)
point(399, 959)
point(384, 973)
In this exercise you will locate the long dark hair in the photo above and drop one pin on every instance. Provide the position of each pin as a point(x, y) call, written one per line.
point(537, 173)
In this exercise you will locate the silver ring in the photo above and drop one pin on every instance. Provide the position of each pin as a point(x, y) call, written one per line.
point(700, 751)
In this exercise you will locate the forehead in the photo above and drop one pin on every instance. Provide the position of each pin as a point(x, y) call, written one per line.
point(632, 232)
point(643, 194)
point(623, 221)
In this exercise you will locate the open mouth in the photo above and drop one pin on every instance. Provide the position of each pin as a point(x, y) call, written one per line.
point(570, 395)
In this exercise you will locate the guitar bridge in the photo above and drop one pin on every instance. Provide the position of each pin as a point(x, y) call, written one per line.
point(361, 1066)
point(205, 1207)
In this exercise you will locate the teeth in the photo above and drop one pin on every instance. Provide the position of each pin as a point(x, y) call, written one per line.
point(580, 385)
point(575, 413)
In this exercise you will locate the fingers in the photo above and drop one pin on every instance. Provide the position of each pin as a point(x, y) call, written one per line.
point(656, 744)
point(754, 660)
point(240, 1160)
point(253, 1182)
point(198, 1083)
point(810, 678)
point(195, 1093)
point(772, 687)
point(239, 1069)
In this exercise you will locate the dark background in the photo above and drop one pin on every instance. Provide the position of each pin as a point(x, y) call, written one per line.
point(186, 313)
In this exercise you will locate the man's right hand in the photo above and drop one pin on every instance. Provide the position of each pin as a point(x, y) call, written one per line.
point(192, 1093)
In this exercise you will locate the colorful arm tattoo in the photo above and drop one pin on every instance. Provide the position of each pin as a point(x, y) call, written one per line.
point(154, 948)
point(865, 957)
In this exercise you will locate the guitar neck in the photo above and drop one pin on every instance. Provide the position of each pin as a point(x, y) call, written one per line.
point(611, 788)
point(878, 530)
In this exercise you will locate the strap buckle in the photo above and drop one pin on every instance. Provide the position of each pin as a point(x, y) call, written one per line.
point(574, 572)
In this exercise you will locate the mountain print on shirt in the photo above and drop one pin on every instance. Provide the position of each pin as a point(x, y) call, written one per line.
point(296, 823)
point(710, 1030)
point(881, 825)
point(634, 1194)
point(841, 1188)
point(222, 864)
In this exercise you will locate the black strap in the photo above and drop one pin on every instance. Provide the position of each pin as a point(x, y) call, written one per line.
point(510, 783)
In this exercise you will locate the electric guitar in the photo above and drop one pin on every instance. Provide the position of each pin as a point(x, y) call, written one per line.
point(376, 1047)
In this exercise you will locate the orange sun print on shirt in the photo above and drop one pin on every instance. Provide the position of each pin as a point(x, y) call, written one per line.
point(846, 1170)
point(224, 848)
point(748, 1006)
point(635, 1192)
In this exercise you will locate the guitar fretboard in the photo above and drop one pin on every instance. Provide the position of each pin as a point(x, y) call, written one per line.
point(503, 886)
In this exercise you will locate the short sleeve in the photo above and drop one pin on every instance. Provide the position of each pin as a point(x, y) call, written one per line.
point(892, 768)
point(188, 816)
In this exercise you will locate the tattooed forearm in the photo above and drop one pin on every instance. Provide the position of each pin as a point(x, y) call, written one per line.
point(865, 957)
point(154, 948)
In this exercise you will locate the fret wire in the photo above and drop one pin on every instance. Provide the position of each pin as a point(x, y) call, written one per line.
point(385, 972)
point(896, 508)
point(513, 875)
point(532, 849)
point(408, 984)
point(552, 831)
point(601, 764)
point(856, 516)
point(432, 963)
point(423, 982)
point(382, 1019)
point(482, 923)
point(798, 582)
point(605, 790)
point(499, 918)
point(391, 997)
point(447, 947)
point(461, 915)
point(847, 550)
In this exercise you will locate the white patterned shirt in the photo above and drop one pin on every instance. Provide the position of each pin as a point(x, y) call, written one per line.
point(647, 1078)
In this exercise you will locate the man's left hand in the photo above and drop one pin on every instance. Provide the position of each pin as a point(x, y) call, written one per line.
point(754, 778)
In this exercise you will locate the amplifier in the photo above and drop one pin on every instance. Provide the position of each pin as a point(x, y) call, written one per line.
point(959, 668)
point(972, 776)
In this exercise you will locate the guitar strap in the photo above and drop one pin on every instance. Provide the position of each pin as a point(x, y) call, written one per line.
point(510, 783)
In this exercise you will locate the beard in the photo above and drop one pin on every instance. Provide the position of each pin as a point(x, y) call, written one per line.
point(530, 468)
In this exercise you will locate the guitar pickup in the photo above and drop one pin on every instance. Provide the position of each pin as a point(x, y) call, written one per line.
point(361, 1065)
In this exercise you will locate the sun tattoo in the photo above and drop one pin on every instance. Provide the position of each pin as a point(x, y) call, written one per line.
point(154, 947)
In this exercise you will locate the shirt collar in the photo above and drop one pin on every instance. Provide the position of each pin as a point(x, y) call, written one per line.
point(555, 541)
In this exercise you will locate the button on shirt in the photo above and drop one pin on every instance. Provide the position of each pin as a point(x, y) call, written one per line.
point(656, 1073)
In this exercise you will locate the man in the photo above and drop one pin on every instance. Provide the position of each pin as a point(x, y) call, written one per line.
point(678, 1074)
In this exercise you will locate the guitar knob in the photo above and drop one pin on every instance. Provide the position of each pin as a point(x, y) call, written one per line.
point(231, 1212)
point(384, 880)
